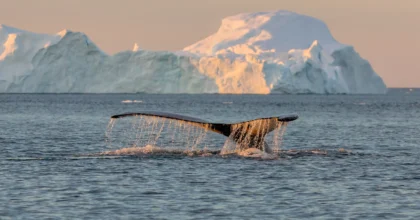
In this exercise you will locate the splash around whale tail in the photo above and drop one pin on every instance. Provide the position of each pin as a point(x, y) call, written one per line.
point(246, 134)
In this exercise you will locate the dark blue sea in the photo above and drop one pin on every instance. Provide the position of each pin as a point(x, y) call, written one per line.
point(346, 157)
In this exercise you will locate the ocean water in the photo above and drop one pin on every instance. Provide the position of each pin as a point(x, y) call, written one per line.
point(346, 157)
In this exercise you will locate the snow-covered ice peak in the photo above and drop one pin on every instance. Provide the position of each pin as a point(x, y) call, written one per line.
point(262, 32)
point(136, 47)
point(63, 32)
point(5, 29)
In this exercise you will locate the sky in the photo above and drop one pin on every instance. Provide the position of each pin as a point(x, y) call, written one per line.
point(385, 32)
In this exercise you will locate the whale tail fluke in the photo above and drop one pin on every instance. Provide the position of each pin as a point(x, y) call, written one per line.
point(246, 134)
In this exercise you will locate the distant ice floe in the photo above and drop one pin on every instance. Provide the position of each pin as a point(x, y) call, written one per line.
point(131, 101)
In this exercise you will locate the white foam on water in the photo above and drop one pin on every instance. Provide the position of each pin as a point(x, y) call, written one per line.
point(131, 101)
point(155, 150)
point(257, 153)
point(134, 151)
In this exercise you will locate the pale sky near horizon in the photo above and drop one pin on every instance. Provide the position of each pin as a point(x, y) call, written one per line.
point(386, 32)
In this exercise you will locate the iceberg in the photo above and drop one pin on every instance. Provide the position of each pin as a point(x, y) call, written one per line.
point(260, 53)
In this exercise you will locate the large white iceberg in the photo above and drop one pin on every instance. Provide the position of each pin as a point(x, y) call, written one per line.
point(261, 53)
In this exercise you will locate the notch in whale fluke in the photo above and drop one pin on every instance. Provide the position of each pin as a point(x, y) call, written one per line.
point(247, 133)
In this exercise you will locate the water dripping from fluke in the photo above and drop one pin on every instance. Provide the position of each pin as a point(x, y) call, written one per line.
point(144, 133)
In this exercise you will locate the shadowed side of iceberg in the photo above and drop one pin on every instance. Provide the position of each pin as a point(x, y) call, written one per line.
point(358, 72)
point(76, 65)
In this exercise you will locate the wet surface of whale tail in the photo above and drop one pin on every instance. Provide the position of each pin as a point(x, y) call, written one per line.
point(246, 134)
